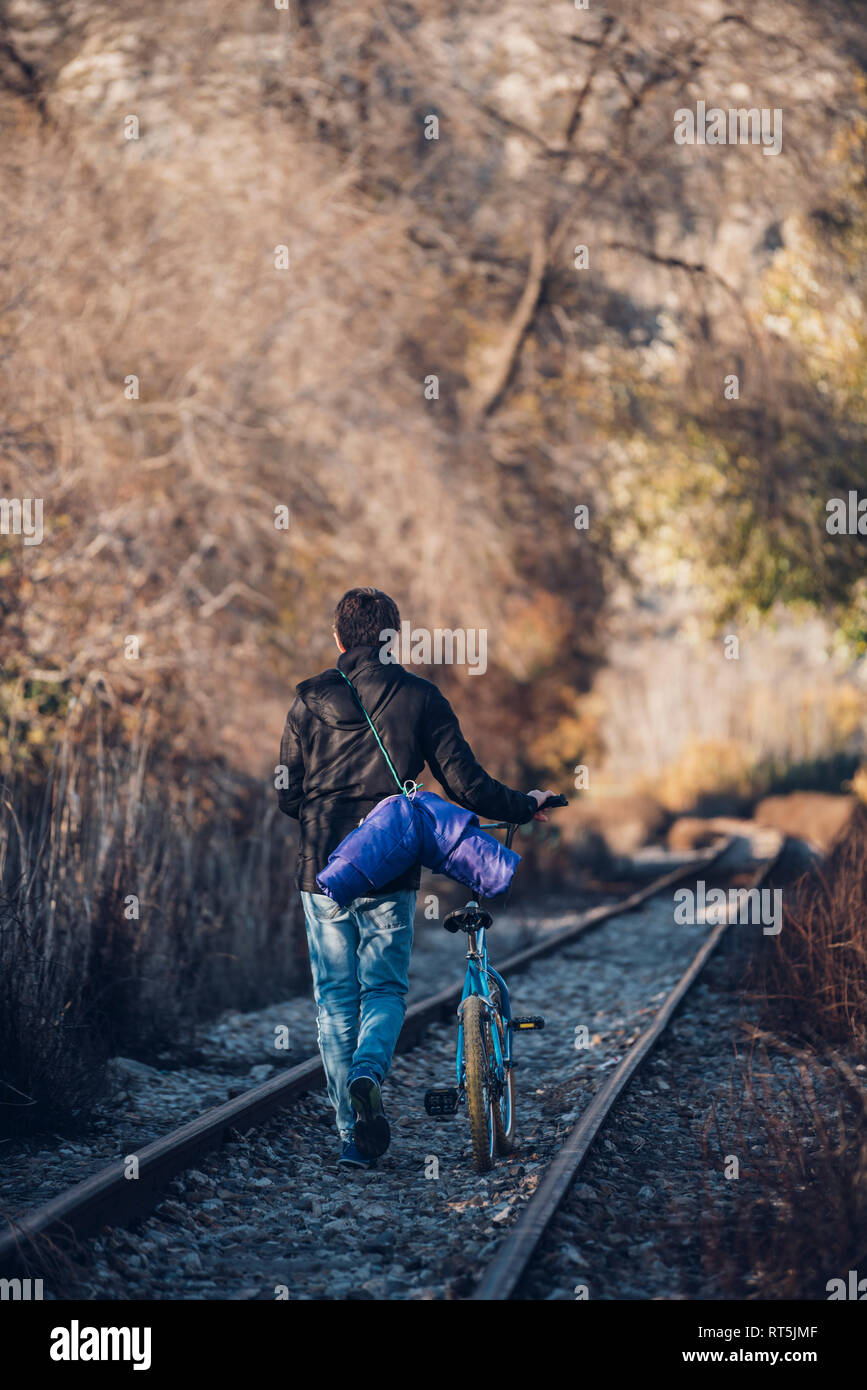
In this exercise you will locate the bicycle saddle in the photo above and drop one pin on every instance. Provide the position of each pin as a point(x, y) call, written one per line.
point(469, 918)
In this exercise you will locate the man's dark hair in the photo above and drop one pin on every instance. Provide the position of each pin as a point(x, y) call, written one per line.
point(362, 614)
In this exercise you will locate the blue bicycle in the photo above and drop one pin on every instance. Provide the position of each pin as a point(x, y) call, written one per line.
point(484, 1066)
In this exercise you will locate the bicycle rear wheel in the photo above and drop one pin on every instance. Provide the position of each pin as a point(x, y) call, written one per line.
point(480, 1102)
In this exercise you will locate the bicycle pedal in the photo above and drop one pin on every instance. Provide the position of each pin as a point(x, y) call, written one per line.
point(442, 1100)
point(522, 1025)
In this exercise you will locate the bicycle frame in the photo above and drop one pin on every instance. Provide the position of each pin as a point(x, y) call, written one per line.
point(486, 1026)
point(476, 982)
point(479, 972)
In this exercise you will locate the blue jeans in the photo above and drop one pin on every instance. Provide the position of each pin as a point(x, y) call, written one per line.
point(359, 957)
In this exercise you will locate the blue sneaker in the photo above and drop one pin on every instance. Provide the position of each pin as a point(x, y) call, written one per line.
point(351, 1158)
point(371, 1133)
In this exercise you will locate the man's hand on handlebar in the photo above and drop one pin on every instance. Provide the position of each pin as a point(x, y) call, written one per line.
point(548, 798)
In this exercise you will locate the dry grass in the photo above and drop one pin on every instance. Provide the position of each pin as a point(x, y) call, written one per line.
point(217, 920)
point(812, 978)
point(797, 1216)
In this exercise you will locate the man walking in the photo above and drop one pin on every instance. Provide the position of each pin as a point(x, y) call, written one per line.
point(334, 775)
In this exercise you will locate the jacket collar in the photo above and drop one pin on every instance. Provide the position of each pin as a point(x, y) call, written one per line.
point(352, 660)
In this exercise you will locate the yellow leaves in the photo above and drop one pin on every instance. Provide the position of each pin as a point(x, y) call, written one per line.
point(845, 709)
point(704, 766)
point(859, 783)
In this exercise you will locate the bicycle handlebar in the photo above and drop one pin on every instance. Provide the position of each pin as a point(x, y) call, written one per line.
point(542, 806)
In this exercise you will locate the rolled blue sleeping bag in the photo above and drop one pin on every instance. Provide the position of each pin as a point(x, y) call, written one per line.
point(403, 831)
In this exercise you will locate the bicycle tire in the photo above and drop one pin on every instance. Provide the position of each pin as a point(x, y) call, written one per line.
point(480, 1106)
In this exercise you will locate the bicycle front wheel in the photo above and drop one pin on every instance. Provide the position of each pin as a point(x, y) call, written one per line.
point(480, 1102)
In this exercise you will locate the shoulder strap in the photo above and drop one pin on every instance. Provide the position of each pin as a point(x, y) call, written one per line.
point(401, 786)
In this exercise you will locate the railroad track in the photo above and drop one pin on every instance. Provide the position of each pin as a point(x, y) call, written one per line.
point(110, 1198)
point(511, 1262)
